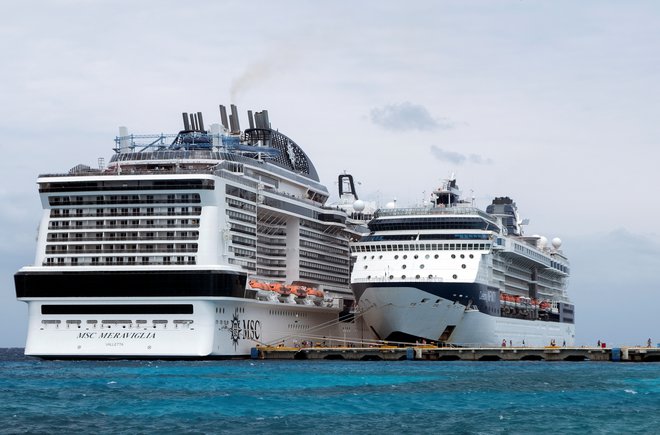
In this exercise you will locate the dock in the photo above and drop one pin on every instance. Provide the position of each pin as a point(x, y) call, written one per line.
point(428, 353)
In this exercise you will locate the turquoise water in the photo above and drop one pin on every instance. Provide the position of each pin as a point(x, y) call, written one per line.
point(326, 396)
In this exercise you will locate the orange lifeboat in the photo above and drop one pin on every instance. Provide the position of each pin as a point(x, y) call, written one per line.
point(297, 290)
point(315, 292)
point(259, 285)
point(279, 288)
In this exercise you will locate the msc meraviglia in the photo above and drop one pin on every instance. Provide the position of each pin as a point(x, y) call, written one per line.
point(199, 244)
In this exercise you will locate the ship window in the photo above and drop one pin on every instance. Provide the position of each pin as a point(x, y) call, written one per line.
point(462, 255)
point(391, 276)
point(430, 276)
point(471, 256)
point(416, 256)
point(405, 256)
point(403, 277)
point(453, 255)
point(427, 256)
point(463, 266)
point(454, 276)
point(396, 257)
point(421, 266)
point(436, 256)
point(365, 266)
point(403, 267)
point(416, 276)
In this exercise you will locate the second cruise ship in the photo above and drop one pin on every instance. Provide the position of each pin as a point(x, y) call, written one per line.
point(452, 274)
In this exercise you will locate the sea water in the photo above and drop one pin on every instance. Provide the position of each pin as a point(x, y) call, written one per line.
point(322, 397)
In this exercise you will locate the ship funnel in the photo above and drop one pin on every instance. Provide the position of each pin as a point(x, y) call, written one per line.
point(233, 120)
point(250, 119)
point(124, 140)
point(200, 122)
point(186, 125)
point(223, 117)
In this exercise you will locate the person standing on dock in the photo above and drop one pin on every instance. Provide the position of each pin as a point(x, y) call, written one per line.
point(648, 343)
point(504, 342)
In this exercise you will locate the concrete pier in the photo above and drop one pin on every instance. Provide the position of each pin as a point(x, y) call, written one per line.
point(428, 353)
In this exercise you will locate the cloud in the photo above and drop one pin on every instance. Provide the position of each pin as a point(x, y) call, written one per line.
point(458, 158)
point(407, 116)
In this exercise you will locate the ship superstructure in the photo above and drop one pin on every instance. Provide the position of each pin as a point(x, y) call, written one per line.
point(450, 273)
point(196, 244)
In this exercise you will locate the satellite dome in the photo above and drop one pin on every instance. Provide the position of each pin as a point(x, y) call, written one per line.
point(390, 204)
point(543, 242)
point(358, 205)
point(556, 242)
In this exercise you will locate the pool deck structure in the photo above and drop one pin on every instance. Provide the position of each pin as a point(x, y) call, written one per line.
point(428, 353)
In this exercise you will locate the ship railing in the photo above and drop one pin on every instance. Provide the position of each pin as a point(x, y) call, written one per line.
point(398, 279)
point(412, 211)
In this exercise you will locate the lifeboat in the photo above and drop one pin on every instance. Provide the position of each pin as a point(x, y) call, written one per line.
point(298, 290)
point(258, 285)
point(544, 305)
point(315, 292)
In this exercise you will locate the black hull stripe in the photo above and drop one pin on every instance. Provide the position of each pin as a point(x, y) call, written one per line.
point(129, 284)
point(485, 298)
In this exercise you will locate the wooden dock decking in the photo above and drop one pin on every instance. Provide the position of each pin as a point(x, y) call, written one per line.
point(428, 353)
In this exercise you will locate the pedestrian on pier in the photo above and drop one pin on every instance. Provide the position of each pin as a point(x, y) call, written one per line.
point(648, 343)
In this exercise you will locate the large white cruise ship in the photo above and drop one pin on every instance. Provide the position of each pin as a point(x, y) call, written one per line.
point(196, 244)
point(455, 275)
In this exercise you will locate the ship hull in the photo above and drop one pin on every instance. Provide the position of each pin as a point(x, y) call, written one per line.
point(453, 314)
point(217, 328)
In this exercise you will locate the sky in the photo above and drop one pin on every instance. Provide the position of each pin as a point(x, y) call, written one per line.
point(553, 103)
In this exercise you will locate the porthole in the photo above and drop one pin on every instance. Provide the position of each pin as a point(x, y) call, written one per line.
point(471, 256)
point(364, 258)
point(380, 257)
point(462, 255)
point(416, 256)
point(405, 256)
point(396, 257)
point(427, 256)
point(430, 276)
point(372, 257)
point(403, 277)
point(421, 266)
point(463, 266)
point(436, 256)
point(403, 267)
point(417, 277)
point(454, 276)
point(453, 255)
point(391, 276)
point(368, 276)
point(365, 266)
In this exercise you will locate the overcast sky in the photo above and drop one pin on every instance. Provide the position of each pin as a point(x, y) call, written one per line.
point(553, 103)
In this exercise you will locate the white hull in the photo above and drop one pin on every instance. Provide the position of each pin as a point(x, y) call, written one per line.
point(390, 310)
point(221, 327)
point(479, 329)
point(399, 309)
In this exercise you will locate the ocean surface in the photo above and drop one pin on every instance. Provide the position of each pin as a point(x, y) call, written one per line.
point(326, 397)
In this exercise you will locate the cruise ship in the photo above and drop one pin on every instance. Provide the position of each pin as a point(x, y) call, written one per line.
point(452, 274)
point(203, 243)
